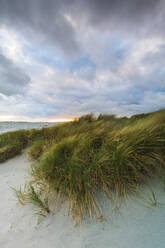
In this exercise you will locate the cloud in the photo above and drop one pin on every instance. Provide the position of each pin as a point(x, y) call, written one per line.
point(57, 23)
point(41, 20)
point(155, 57)
point(82, 56)
point(12, 79)
point(143, 17)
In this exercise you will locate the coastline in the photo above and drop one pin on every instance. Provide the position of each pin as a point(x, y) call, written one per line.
point(136, 222)
point(8, 126)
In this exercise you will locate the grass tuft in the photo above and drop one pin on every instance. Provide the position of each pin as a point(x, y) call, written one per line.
point(29, 196)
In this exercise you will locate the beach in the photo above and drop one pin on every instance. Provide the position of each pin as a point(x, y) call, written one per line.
point(82, 124)
point(137, 223)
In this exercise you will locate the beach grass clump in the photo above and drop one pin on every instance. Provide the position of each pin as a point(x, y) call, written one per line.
point(37, 148)
point(102, 159)
point(36, 199)
point(86, 118)
point(76, 160)
point(28, 195)
point(68, 173)
point(12, 144)
point(9, 151)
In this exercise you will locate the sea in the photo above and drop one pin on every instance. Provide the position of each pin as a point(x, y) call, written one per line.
point(7, 126)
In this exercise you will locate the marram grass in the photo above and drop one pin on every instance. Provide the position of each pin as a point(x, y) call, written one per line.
point(76, 160)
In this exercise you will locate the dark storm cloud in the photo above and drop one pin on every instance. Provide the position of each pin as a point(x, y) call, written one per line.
point(46, 20)
point(41, 19)
point(12, 79)
point(138, 16)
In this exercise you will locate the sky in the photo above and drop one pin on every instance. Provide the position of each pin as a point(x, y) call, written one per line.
point(65, 58)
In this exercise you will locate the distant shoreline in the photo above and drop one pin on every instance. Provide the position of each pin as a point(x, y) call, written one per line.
point(7, 126)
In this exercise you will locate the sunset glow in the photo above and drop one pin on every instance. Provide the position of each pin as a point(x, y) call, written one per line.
point(62, 120)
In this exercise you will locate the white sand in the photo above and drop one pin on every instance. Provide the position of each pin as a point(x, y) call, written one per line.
point(134, 226)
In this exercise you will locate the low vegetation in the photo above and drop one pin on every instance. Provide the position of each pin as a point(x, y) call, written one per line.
point(12, 144)
point(74, 161)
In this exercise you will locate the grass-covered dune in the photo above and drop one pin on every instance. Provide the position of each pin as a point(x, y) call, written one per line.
point(74, 161)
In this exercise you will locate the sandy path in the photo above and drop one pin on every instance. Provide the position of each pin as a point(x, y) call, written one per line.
point(135, 225)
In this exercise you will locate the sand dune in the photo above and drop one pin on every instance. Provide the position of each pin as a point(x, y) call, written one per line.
point(136, 224)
